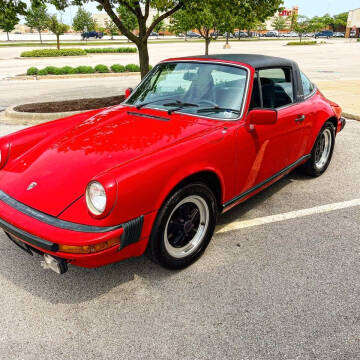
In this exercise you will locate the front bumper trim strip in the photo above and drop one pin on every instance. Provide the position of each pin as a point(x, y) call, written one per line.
point(51, 220)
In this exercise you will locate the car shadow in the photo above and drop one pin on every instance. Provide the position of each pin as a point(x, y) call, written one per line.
point(79, 285)
point(240, 210)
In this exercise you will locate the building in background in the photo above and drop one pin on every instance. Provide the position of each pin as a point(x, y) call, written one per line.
point(286, 13)
point(101, 19)
point(353, 23)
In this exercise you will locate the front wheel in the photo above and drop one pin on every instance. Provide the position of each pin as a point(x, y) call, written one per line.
point(184, 227)
point(322, 151)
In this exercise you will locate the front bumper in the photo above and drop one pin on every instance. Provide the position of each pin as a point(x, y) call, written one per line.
point(44, 233)
point(341, 124)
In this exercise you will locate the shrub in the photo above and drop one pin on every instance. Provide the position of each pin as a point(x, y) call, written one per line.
point(302, 43)
point(117, 68)
point(32, 71)
point(53, 52)
point(51, 70)
point(111, 50)
point(67, 70)
point(84, 69)
point(101, 68)
point(42, 72)
point(132, 67)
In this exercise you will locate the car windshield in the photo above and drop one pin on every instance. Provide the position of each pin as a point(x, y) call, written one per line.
point(207, 89)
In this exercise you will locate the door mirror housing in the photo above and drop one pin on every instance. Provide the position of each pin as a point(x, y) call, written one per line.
point(128, 92)
point(262, 117)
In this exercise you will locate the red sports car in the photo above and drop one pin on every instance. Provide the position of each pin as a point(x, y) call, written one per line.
point(196, 137)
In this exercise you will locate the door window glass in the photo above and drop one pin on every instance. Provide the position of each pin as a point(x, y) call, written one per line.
point(276, 87)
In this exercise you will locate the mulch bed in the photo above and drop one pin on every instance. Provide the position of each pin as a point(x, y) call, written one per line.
point(70, 105)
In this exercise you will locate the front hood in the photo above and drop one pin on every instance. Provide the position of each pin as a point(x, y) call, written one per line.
point(61, 166)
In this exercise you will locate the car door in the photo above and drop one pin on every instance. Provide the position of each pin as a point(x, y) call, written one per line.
point(269, 149)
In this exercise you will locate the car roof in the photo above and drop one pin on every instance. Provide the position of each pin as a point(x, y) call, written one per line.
point(256, 61)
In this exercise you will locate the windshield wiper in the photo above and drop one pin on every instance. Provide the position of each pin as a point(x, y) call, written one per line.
point(179, 105)
point(217, 109)
point(139, 106)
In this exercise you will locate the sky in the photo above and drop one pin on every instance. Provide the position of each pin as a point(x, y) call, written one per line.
point(308, 8)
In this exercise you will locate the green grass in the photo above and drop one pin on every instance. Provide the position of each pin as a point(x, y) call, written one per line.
point(53, 53)
point(302, 43)
point(83, 69)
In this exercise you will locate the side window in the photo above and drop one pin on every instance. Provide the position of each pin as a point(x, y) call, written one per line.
point(307, 85)
point(276, 87)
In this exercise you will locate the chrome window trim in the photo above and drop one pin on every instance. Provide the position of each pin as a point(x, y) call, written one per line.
point(246, 90)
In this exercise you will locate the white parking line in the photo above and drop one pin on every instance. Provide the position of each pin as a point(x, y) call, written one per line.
point(236, 225)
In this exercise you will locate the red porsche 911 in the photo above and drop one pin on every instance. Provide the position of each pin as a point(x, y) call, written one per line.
point(196, 137)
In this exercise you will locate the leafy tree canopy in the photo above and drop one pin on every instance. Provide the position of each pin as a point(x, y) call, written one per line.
point(83, 21)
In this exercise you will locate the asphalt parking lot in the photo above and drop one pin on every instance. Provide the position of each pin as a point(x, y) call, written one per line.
point(282, 290)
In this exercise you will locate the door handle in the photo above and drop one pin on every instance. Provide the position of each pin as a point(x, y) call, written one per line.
point(300, 118)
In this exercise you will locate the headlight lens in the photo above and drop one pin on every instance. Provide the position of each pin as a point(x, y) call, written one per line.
point(96, 198)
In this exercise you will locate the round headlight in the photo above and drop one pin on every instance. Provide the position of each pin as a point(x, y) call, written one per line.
point(96, 198)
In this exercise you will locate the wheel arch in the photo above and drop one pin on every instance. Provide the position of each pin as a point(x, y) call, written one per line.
point(208, 177)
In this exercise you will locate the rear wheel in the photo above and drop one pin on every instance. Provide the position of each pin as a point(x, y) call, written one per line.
point(184, 227)
point(322, 151)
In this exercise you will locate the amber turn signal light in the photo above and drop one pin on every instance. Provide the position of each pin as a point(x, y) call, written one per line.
point(89, 249)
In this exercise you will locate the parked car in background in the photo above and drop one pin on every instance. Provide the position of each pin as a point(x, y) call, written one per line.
point(215, 34)
point(196, 137)
point(153, 33)
point(339, 34)
point(272, 33)
point(192, 34)
point(241, 34)
point(225, 34)
point(324, 34)
point(92, 34)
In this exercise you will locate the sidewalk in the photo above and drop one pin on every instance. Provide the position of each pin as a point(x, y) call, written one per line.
point(346, 93)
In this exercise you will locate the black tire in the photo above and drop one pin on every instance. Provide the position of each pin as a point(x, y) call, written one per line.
point(311, 167)
point(159, 244)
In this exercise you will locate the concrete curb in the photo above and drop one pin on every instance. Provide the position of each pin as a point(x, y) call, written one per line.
point(351, 116)
point(10, 116)
point(73, 76)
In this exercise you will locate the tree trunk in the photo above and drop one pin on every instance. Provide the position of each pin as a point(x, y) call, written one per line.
point(300, 36)
point(227, 38)
point(40, 36)
point(143, 57)
point(207, 43)
point(58, 42)
point(7, 33)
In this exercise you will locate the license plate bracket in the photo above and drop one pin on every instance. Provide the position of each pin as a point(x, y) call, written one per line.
point(19, 243)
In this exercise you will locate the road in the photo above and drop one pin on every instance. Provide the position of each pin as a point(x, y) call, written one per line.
point(283, 290)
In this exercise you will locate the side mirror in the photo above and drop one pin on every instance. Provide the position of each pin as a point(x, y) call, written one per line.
point(262, 117)
point(128, 92)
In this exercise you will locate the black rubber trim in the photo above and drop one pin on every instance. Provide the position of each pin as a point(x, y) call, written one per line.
point(53, 221)
point(271, 178)
point(343, 123)
point(132, 232)
point(32, 239)
point(148, 116)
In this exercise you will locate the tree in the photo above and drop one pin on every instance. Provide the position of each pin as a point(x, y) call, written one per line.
point(279, 23)
point(340, 20)
point(159, 26)
point(128, 18)
point(8, 18)
point(111, 29)
point(203, 20)
point(302, 25)
point(251, 13)
point(57, 28)
point(37, 18)
point(83, 21)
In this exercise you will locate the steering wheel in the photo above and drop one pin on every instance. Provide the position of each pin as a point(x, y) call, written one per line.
point(209, 102)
